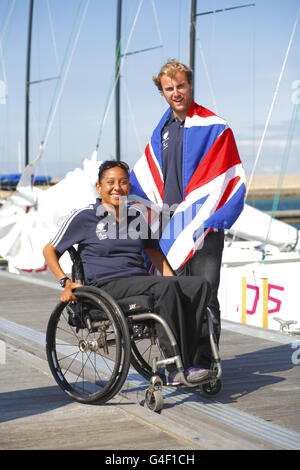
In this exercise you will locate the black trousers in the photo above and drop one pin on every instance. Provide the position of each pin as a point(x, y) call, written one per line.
point(181, 301)
point(206, 264)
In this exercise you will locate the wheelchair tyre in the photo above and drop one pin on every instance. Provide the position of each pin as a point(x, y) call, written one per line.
point(89, 364)
point(154, 400)
point(211, 389)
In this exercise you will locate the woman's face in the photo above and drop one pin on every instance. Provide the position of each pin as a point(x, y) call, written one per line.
point(113, 186)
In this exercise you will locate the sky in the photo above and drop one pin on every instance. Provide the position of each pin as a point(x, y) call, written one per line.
point(244, 72)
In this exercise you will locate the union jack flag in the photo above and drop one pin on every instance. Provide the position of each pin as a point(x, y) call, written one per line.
point(213, 182)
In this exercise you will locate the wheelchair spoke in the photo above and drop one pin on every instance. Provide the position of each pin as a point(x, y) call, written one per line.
point(143, 349)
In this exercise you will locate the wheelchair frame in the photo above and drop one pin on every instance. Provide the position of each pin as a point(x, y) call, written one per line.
point(104, 340)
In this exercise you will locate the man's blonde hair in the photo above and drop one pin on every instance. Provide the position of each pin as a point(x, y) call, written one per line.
point(171, 68)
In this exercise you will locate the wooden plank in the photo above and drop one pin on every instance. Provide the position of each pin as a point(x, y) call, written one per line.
point(34, 414)
point(258, 375)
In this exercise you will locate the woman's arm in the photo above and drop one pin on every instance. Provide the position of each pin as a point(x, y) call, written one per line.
point(159, 261)
point(50, 255)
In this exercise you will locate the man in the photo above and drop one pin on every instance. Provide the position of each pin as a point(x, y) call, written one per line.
point(191, 166)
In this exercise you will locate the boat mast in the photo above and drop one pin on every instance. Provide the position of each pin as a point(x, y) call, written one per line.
point(117, 78)
point(27, 84)
point(193, 37)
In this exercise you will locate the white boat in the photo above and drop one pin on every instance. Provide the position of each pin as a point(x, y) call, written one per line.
point(260, 280)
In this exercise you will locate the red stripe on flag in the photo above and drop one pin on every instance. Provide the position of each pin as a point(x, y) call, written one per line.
point(222, 155)
point(198, 110)
point(154, 171)
point(191, 253)
point(230, 187)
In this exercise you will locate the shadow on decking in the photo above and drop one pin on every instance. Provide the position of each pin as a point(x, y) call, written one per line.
point(248, 372)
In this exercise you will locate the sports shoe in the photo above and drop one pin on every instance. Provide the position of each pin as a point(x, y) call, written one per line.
point(195, 374)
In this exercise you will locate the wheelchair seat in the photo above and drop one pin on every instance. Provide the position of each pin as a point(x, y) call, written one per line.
point(129, 306)
point(136, 304)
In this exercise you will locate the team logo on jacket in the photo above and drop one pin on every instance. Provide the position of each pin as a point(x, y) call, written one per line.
point(165, 140)
point(101, 230)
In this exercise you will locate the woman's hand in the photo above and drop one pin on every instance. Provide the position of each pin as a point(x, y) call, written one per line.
point(67, 295)
point(160, 262)
point(52, 261)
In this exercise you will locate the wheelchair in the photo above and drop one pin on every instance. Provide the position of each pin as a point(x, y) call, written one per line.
point(92, 342)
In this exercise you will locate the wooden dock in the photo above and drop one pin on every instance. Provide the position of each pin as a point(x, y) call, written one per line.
point(265, 186)
point(259, 186)
point(258, 408)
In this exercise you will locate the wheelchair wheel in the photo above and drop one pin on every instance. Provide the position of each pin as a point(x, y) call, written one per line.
point(211, 389)
point(144, 347)
point(88, 347)
point(153, 397)
point(154, 400)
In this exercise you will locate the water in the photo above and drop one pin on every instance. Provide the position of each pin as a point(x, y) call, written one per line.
point(284, 204)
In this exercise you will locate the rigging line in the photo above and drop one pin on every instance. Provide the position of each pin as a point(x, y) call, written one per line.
point(208, 76)
point(156, 22)
point(46, 79)
point(53, 35)
point(5, 34)
point(253, 102)
point(31, 166)
point(54, 107)
point(159, 35)
point(57, 64)
point(132, 117)
point(6, 25)
point(221, 10)
point(3, 68)
point(142, 50)
point(8, 18)
point(118, 75)
point(272, 104)
point(286, 154)
point(35, 127)
point(34, 82)
point(268, 118)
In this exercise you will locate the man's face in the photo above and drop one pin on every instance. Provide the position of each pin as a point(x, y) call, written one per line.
point(178, 93)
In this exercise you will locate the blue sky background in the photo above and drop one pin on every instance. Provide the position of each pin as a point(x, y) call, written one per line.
point(239, 55)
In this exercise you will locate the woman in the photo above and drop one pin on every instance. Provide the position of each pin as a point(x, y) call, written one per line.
point(111, 238)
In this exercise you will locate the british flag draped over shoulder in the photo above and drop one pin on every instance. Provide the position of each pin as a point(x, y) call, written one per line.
point(213, 182)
